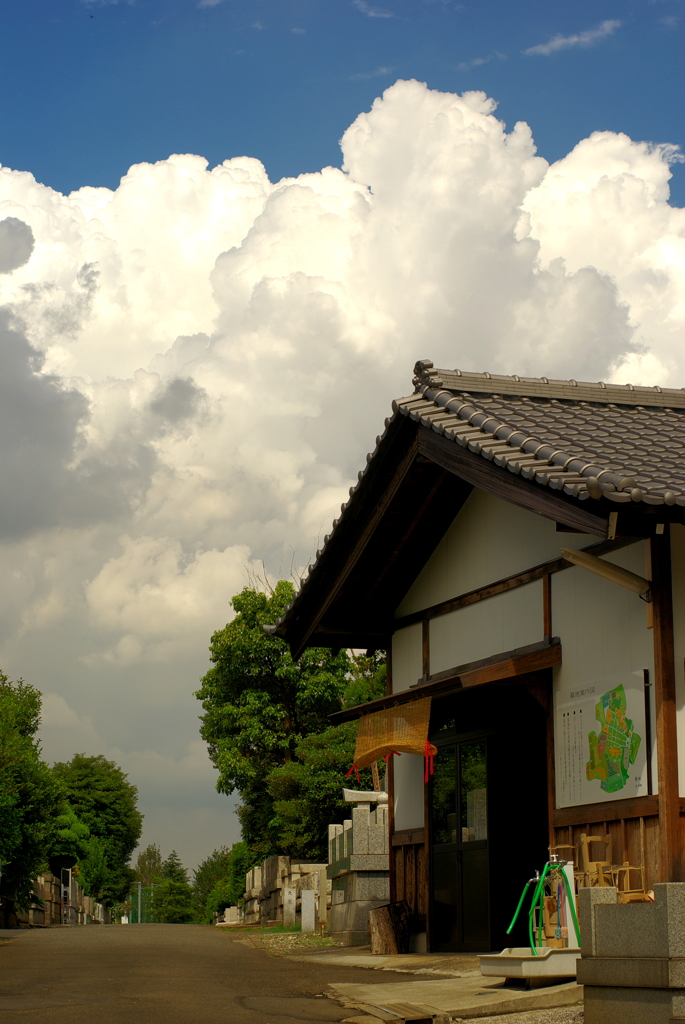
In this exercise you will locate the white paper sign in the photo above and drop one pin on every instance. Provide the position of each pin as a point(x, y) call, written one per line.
point(599, 740)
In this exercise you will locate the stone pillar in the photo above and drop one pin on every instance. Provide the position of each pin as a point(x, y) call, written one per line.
point(308, 910)
point(323, 885)
point(289, 907)
point(633, 956)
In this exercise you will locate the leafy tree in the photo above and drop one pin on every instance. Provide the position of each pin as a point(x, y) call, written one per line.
point(220, 880)
point(70, 843)
point(106, 802)
point(259, 705)
point(172, 897)
point(173, 869)
point(307, 791)
point(30, 798)
point(94, 869)
point(149, 864)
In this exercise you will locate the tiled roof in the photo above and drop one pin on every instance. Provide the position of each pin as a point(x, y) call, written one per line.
point(614, 441)
point(589, 440)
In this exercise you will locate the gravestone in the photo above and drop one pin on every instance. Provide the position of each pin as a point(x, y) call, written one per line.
point(289, 907)
point(308, 910)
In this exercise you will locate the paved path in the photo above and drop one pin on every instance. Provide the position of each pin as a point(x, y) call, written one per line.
point(159, 974)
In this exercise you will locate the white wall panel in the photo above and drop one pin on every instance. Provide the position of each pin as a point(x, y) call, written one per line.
point(480, 630)
point(409, 786)
point(488, 540)
point(406, 657)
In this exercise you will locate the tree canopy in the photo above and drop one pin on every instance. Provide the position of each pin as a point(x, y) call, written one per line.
point(30, 797)
point(262, 714)
point(106, 802)
point(148, 865)
point(219, 881)
point(172, 896)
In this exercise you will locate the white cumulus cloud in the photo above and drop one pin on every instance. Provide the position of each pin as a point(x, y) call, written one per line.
point(195, 364)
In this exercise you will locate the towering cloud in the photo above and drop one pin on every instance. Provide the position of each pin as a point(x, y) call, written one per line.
point(195, 364)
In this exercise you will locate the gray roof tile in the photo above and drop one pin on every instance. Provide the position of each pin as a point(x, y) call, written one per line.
point(589, 440)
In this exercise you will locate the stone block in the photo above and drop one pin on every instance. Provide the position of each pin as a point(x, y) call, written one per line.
point(289, 906)
point(643, 929)
point(348, 920)
point(588, 898)
point(323, 886)
point(308, 910)
point(378, 839)
point(604, 1005)
point(632, 972)
point(360, 829)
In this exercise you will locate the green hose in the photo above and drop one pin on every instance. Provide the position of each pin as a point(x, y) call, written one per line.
point(531, 915)
point(518, 909)
point(539, 893)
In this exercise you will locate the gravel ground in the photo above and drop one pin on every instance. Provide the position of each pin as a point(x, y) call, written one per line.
point(562, 1015)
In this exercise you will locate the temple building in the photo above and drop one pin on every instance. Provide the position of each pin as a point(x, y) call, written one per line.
point(517, 546)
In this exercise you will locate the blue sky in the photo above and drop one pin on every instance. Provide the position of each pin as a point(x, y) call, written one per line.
point(92, 87)
point(126, 530)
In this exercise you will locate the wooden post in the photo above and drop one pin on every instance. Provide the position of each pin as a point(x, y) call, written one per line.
point(426, 648)
point(670, 860)
point(547, 605)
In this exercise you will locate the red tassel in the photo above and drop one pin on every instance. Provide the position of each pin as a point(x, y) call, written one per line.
point(387, 757)
point(430, 762)
point(354, 769)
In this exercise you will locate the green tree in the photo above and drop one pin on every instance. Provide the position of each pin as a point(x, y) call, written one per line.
point(94, 869)
point(173, 869)
point(172, 897)
point(106, 802)
point(219, 881)
point(307, 792)
point(70, 843)
point(259, 705)
point(30, 798)
point(149, 865)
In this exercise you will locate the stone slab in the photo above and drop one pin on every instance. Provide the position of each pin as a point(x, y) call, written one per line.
point(632, 972)
point(358, 862)
point(632, 1005)
point(460, 997)
point(308, 910)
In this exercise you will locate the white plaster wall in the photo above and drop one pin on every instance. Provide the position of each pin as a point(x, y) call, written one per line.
point(488, 540)
point(407, 667)
point(678, 569)
point(499, 624)
point(409, 791)
point(605, 640)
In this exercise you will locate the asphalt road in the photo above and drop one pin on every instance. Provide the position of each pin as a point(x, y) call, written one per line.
point(159, 974)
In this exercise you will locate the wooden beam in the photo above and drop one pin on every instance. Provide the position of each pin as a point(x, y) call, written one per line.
point(546, 657)
point(498, 668)
point(670, 839)
point(426, 649)
point(547, 604)
point(518, 579)
point(611, 810)
point(493, 479)
point(408, 837)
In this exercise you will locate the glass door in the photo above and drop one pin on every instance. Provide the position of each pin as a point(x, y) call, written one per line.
point(460, 873)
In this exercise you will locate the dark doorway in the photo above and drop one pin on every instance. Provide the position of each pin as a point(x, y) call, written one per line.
point(488, 814)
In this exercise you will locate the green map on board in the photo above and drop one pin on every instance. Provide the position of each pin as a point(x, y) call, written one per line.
point(616, 745)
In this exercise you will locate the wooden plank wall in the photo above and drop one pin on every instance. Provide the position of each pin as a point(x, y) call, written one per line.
point(635, 840)
point(409, 872)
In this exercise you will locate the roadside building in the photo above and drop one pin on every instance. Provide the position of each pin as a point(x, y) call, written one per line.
point(555, 680)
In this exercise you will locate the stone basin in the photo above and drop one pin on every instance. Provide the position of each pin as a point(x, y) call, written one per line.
point(519, 962)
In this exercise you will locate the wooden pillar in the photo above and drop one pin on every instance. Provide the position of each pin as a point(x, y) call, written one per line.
point(670, 858)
